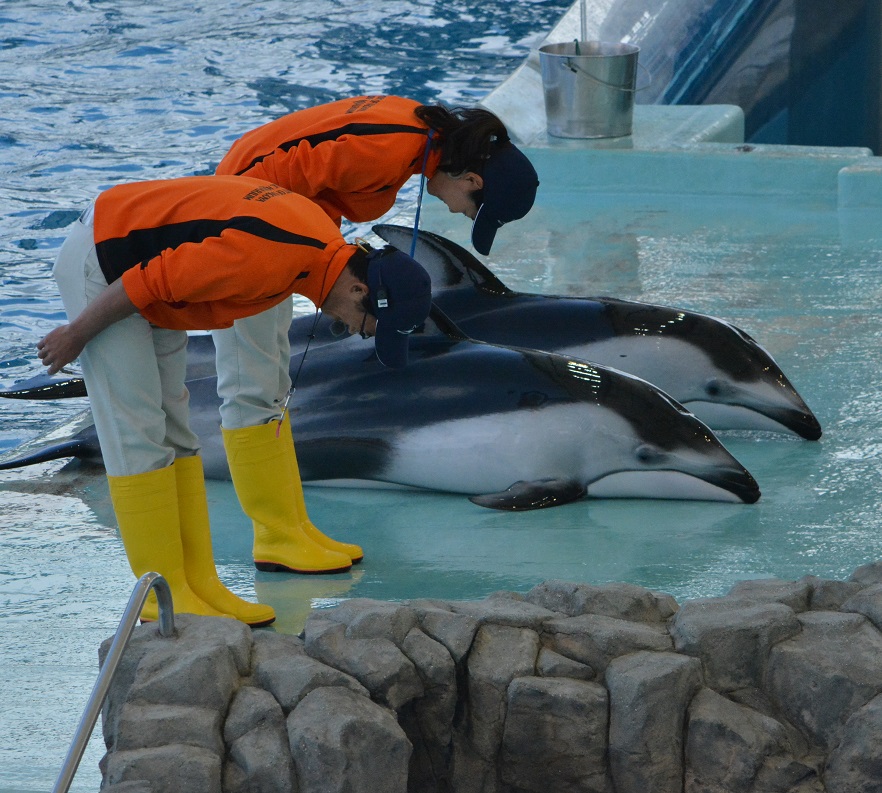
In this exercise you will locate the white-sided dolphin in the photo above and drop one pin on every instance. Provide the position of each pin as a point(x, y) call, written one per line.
point(512, 428)
point(710, 366)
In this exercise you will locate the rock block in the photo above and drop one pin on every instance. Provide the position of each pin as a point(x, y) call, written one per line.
point(373, 619)
point(649, 693)
point(552, 664)
point(377, 664)
point(169, 769)
point(822, 676)
point(555, 736)
point(455, 631)
point(868, 601)
point(290, 679)
point(622, 601)
point(504, 611)
point(732, 638)
point(256, 734)
point(795, 594)
point(855, 765)
point(594, 639)
point(499, 655)
point(829, 594)
point(344, 743)
point(144, 726)
point(728, 744)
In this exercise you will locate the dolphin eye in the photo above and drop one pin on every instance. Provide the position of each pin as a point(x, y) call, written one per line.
point(714, 387)
point(648, 454)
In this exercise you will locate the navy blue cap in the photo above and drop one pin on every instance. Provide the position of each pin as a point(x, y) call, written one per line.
point(400, 292)
point(510, 183)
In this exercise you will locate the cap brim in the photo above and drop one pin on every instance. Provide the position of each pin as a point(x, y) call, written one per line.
point(484, 231)
point(391, 347)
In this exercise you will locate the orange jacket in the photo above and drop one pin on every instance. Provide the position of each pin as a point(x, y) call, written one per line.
point(351, 156)
point(202, 251)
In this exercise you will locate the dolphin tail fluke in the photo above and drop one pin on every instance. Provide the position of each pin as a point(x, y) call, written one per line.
point(539, 494)
point(74, 438)
point(72, 448)
point(45, 386)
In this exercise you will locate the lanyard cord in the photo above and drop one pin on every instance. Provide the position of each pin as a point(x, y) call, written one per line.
point(293, 388)
point(309, 339)
point(416, 221)
point(416, 226)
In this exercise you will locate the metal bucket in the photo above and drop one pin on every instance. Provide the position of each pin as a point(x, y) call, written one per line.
point(589, 88)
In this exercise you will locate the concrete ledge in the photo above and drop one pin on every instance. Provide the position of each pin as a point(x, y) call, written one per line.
point(860, 202)
point(725, 170)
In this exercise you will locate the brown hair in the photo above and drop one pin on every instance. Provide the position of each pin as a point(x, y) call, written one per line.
point(358, 263)
point(466, 136)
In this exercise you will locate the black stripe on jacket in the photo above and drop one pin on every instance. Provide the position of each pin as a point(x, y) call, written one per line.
point(118, 254)
point(334, 134)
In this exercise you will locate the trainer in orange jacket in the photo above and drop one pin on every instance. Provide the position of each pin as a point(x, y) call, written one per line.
point(152, 259)
point(180, 245)
point(353, 156)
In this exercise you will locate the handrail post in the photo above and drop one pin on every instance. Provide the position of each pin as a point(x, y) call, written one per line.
point(127, 624)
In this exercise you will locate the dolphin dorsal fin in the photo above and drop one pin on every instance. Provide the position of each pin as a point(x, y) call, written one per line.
point(449, 265)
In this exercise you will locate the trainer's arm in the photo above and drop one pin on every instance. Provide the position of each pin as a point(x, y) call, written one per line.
point(62, 345)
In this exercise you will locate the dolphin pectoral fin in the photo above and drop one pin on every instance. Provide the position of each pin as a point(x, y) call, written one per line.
point(537, 494)
point(45, 386)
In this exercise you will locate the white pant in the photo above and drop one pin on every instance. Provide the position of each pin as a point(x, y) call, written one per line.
point(252, 367)
point(134, 371)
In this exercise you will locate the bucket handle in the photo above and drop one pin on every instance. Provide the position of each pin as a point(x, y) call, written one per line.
point(576, 69)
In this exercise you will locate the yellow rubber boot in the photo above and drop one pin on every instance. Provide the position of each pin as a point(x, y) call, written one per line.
point(354, 552)
point(146, 507)
point(198, 554)
point(262, 478)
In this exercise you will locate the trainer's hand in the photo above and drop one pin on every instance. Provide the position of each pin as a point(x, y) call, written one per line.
point(60, 347)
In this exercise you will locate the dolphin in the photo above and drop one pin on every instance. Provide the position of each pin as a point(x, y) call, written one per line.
point(511, 428)
point(710, 366)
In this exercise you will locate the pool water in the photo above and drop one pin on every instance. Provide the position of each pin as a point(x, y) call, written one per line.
point(757, 242)
point(777, 268)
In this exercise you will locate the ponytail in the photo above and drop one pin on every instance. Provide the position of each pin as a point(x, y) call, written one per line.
point(466, 136)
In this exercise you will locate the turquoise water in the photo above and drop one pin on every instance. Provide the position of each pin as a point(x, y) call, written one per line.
point(774, 264)
point(96, 92)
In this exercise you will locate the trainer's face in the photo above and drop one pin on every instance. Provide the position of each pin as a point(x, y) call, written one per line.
point(456, 191)
point(351, 308)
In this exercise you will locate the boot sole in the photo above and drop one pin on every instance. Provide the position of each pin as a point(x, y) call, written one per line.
point(275, 567)
point(261, 624)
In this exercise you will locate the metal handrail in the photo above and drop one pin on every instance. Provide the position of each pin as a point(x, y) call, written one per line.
point(127, 624)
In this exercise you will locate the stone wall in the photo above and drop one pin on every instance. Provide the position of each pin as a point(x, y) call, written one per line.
point(774, 688)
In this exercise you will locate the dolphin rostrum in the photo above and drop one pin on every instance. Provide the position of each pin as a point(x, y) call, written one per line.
point(512, 428)
point(710, 366)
